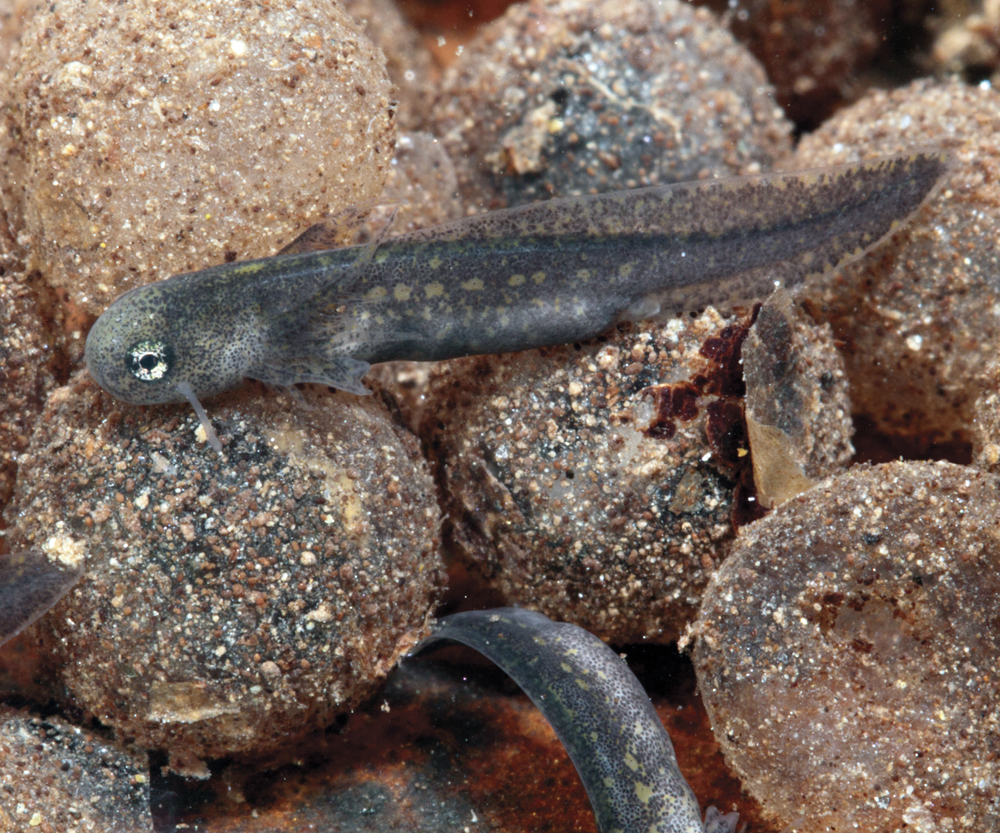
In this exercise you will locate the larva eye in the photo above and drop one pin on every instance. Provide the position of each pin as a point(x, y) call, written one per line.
point(150, 361)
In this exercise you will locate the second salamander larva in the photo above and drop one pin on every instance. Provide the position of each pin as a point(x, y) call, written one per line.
point(547, 273)
point(600, 712)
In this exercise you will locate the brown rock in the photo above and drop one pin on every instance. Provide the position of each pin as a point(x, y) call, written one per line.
point(599, 482)
point(231, 602)
point(813, 54)
point(58, 778)
point(847, 652)
point(918, 316)
point(572, 97)
point(140, 144)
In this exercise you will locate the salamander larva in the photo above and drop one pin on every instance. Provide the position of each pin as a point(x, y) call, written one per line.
point(546, 273)
point(600, 712)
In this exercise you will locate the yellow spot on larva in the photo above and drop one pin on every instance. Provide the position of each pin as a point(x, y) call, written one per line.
point(434, 289)
point(567, 668)
point(515, 280)
point(538, 277)
point(626, 269)
point(365, 315)
point(376, 294)
point(249, 268)
point(401, 292)
point(583, 274)
point(643, 792)
point(473, 285)
point(434, 262)
point(631, 762)
point(582, 684)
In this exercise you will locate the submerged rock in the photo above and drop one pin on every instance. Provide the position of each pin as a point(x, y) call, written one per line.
point(234, 601)
point(846, 652)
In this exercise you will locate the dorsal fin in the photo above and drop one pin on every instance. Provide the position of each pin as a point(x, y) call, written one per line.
point(316, 238)
point(347, 228)
point(30, 583)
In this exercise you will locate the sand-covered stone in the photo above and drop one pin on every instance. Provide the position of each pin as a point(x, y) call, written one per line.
point(600, 482)
point(918, 317)
point(146, 140)
point(573, 97)
point(409, 62)
point(233, 601)
point(814, 56)
point(28, 369)
point(58, 778)
point(846, 652)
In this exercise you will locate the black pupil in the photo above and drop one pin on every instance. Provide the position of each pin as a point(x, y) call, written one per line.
point(150, 361)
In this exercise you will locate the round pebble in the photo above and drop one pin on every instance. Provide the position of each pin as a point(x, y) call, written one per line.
point(28, 366)
point(184, 133)
point(57, 778)
point(234, 601)
point(599, 482)
point(409, 63)
point(813, 57)
point(847, 653)
point(572, 97)
point(917, 318)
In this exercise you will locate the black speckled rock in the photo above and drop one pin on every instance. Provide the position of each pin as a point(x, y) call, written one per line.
point(574, 97)
point(231, 602)
point(57, 778)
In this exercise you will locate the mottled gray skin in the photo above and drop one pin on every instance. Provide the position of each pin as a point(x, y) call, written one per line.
point(546, 273)
point(600, 712)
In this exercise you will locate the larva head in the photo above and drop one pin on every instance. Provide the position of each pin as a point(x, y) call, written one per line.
point(158, 337)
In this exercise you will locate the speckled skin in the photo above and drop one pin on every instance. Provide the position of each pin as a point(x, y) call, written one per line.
point(546, 273)
point(598, 709)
